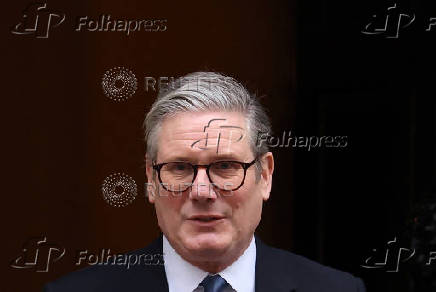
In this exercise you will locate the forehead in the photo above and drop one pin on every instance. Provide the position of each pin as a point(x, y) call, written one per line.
point(203, 136)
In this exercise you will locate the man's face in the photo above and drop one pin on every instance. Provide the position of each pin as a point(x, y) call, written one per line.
point(235, 214)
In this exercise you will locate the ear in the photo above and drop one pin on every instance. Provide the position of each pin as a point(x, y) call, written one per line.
point(150, 186)
point(267, 162)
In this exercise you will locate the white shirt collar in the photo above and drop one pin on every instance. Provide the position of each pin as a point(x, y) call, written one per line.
point(183, 276)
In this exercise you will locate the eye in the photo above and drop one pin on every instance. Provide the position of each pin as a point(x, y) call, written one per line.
point(180, 166)
point(226, 165)
point(177, 167)
point(222, 165)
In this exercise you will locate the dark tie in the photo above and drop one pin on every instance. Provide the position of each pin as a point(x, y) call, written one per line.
point(213, 283)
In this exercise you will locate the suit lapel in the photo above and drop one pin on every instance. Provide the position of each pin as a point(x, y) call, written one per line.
point(154, 278)
point(159, 272)
point(270, 274)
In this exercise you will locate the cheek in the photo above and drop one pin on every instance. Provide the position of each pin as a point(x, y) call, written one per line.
point(246, 207)
point(168, 209)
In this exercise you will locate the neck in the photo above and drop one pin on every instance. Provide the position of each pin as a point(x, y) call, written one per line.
point(212, 267)
point(218, 264)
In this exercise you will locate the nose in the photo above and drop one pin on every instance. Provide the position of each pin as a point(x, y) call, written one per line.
point(202, 189)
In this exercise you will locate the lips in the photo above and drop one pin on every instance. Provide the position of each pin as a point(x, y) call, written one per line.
point(206, 217)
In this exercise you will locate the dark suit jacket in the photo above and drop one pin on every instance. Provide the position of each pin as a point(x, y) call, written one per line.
point(276, 271)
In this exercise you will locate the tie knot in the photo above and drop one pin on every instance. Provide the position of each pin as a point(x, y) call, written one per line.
point(213, 283)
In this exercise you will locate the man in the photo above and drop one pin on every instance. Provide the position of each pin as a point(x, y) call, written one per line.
point(209, 178)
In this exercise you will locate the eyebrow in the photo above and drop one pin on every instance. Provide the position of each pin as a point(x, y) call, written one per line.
point(224, 157)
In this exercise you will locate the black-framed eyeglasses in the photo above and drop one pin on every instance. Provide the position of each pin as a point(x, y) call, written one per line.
point(178, 176)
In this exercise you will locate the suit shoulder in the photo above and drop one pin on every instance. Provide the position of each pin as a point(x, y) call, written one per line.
point(116, 272)
point(308, 273)
point(292, 261)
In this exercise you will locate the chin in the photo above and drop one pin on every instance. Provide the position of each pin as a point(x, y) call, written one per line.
point(207, 245)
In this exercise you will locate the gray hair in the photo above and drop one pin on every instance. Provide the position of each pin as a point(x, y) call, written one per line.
point(206, 91)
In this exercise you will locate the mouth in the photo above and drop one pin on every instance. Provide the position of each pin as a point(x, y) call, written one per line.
point(206, 218)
